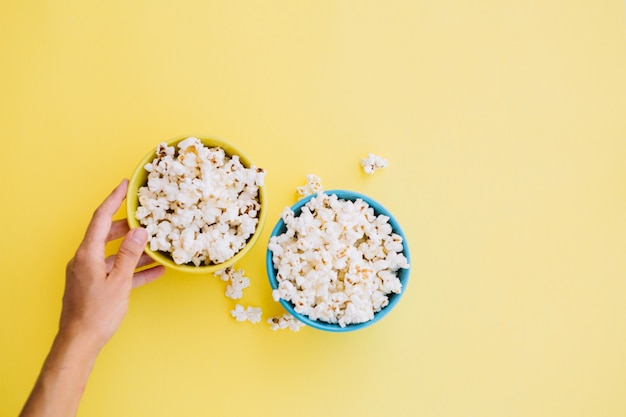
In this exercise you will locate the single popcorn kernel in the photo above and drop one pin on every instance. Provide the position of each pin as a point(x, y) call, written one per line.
point(373, 163)
point(237, 282)
point(199, 205)
point(286, 321)
point(313, 186)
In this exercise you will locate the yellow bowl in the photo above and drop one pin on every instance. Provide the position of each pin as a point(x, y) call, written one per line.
point(140, 179)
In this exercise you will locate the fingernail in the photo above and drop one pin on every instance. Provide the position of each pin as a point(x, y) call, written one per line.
point(139, 235)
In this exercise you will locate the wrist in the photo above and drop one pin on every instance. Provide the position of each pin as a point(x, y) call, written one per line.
point(79, 340)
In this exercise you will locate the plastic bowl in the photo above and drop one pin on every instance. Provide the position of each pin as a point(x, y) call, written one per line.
point(403, 274)
point(140, 178)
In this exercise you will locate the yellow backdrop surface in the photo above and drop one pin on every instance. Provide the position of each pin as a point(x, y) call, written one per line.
point(504, 124)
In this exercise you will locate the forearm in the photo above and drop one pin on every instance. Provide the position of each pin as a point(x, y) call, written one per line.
point(64, 375)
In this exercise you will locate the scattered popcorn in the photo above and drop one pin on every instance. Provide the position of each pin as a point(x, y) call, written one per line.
point(337, 262)
point(239, 313)
point(235, 289)
point(227, 273)
point(373, 163)
point(286, 321)
point(199, 205)
point(251, 314)
point(237, 282)
point(313, 186)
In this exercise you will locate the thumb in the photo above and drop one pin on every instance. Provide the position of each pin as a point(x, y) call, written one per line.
point(130, 250)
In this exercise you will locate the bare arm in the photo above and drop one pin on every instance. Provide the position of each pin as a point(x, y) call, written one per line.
point(94, 303)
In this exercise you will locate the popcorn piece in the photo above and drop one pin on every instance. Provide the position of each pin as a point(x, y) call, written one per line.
point(313, 186)
point(251, 314)
point(237, 282)
point(199, 204)
point(227, 273)
point(235, 289)
point(239, 313)
point(373, 163)
point(337, 262)
point(286, 321)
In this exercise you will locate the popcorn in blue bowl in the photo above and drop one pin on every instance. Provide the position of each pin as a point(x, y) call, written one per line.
point(337, 261)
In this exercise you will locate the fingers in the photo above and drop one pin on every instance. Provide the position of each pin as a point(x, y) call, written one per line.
point(143, 261)
point(118, 229)
point(147, 275)
point(129, 253)
point(100, 225)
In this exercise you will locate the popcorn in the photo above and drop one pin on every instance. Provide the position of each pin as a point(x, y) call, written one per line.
point(199, 204)
point(337, 262)
point(313, 186)
point(237, 282)
point(286, 321)
point(373, 163)
point(251, 314)
point(235, 289)
point(227, 273)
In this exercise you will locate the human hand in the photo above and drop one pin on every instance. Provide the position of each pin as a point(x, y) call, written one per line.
point(97, 289)
point(95, 301)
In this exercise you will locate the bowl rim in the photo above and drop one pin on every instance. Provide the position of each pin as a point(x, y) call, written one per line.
point(139, 177)
point(403, 274)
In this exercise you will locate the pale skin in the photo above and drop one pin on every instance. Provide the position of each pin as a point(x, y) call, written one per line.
point(97, 291)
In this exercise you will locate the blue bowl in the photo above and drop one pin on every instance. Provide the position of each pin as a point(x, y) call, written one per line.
point(403, 274)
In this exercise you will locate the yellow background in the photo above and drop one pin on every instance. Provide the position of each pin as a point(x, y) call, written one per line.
point(504, 123)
